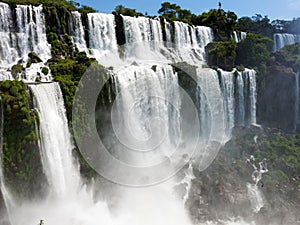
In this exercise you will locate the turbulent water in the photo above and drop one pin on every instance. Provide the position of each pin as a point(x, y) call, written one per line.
point(281, 40)
point(151, 111)
point(55, 144)
point(144, 40)
point(21, 35)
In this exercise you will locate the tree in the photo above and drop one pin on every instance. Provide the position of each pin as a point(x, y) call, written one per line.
point(257, 24)
point(254, 51)
point(221, 54)
point(120, 9)
point(221, 22)
point(169, 11)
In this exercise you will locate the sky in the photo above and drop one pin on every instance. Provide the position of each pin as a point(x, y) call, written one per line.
point(274, 9)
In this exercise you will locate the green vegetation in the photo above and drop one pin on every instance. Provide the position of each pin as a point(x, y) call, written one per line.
point(223, 23)
point(16, 69)
point(126, 11)
point(282, 152)
point(20, 148)
point(290, 56)
point(174, 12)
point(21, 157)
point(254, 51)
point(257, 24)
point(221, 54)
point(33, 58)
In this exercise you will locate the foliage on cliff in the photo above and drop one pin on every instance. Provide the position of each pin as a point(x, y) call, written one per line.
point(221, 54)
point(254, 51)
point(120, 9)
point(256, 24)
point(20, 148)
point(282, 152)
point(289, 56)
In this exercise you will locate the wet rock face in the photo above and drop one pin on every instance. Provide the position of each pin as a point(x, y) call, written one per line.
point(220, 192)
point(277, 101)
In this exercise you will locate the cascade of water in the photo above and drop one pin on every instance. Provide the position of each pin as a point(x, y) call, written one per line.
point(227, 86)
point(207, 80)
point(204, 36)
point(240, 119)
point(168, 30)
point(255, 195)
point(18, 38)
point(251, 74)
point(56, 146)
point(102, 38)
point(77, 32)
point(144, 40)
point(281, 40)
point(239, 35)
point(148, 91)
point(239, 92)
point(190, 41)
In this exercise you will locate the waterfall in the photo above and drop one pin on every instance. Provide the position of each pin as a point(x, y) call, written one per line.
point(56, 147)
point(149, 100)
point(77, 32)
point(25, 34)
point(239, 92)
point(281, 40)
point(190, 41)
point(208, 96)
point(227, 86)
point(144, 40)
point(239, 35)
point(256, 197)
point(251, 75)
point(241, 100)
point(102, 36)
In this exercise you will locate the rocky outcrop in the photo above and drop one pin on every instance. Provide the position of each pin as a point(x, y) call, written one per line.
point(277, 99)
point(220, 193)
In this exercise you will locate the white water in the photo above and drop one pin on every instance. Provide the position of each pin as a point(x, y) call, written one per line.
point(56, 146)
point(144, 40)
point(239, 35)
point(102, 38)
point(68, 201)
point(18, 38)
point(77, 32)
point(255, 195)
point(281, 40)
point(146, 96)
point(239, 92)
